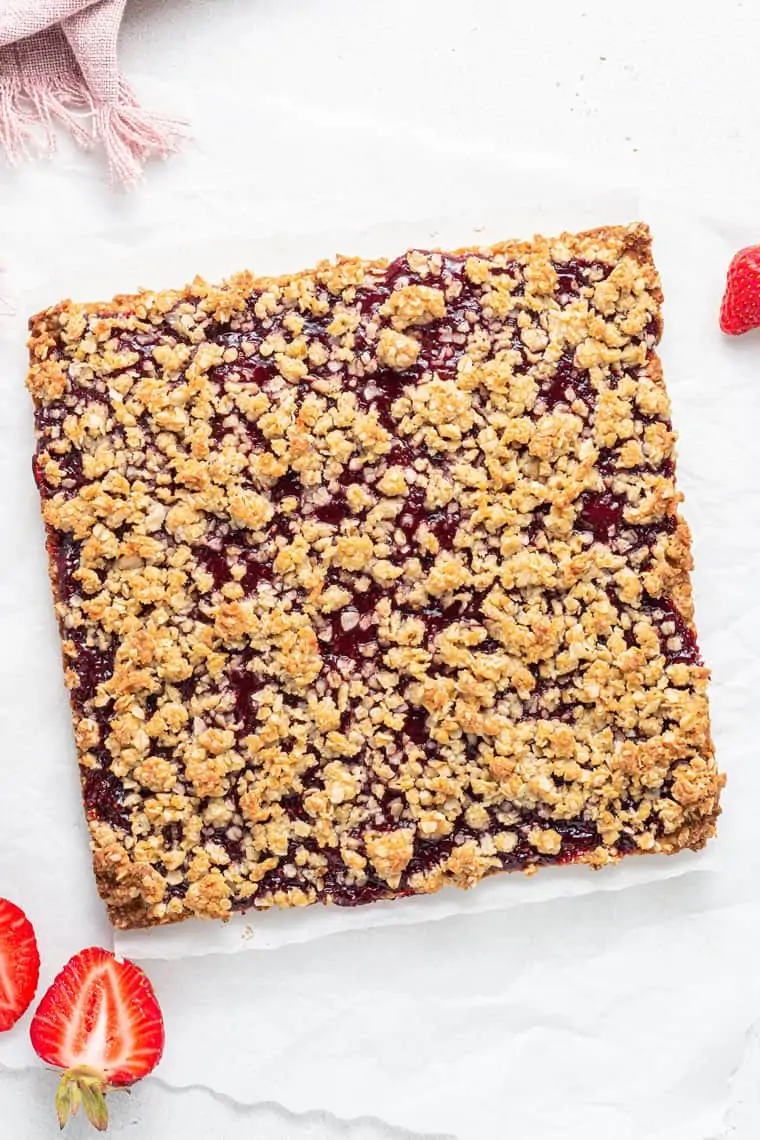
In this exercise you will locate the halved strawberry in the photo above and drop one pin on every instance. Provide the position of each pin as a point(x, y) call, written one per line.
point(19, 964)
point(100, 1022)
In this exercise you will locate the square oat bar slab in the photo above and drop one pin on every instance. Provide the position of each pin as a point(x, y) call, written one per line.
point(371, 578)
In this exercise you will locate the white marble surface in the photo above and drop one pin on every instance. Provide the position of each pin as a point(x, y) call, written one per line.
point(326, 107)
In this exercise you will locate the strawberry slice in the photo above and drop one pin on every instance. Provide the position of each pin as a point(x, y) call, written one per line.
point(100, 1022)
point(19, 964)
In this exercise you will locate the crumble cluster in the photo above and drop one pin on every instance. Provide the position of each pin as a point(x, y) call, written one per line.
point(371, 578)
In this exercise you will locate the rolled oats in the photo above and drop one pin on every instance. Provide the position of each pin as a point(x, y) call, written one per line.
point(372, 579)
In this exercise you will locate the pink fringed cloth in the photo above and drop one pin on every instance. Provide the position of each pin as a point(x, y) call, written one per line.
point(58, 64)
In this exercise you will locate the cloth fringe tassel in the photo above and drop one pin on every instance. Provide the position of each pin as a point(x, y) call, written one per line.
point(128, 133)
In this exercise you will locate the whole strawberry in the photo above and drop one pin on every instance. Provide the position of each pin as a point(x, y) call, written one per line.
point(740, 310)
point(99, 1022)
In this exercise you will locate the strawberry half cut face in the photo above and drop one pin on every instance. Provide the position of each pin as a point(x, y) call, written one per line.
point(101, 1023)
point(19, 964)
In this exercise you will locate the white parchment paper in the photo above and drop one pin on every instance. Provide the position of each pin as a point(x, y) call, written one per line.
point(474, 1024)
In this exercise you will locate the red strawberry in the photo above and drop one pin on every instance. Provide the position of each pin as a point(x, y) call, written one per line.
point(740, 310)
point(19, 964)
point(100, 1022)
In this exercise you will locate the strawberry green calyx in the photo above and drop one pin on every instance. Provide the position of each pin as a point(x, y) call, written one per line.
point(86, 1088)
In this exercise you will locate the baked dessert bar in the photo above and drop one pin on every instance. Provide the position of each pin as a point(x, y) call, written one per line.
point(371, 578)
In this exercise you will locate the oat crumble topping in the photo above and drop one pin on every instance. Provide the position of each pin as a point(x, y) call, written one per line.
point(372, 579)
